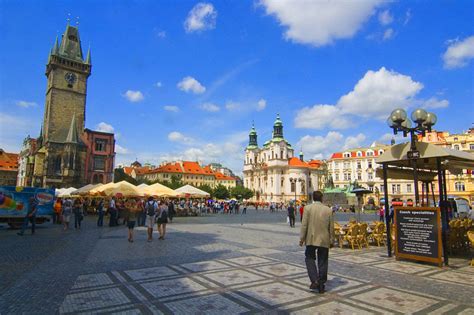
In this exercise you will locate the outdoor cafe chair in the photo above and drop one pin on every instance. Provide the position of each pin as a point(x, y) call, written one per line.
point(378, 235)
point(362, 236)
point(352, 236)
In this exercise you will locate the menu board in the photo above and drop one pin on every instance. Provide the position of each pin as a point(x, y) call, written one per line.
point(418, 233)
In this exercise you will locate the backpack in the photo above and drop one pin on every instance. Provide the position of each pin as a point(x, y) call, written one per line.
point(164, 214)
point(150, 208)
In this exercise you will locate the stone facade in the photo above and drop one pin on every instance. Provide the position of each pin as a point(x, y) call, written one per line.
point(275, 174)
point(461, 185)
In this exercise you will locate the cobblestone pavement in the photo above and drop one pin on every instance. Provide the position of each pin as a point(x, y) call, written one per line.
point(214, 265)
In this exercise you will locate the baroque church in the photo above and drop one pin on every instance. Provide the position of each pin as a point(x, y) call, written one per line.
point(66, 154)
point(275, 174)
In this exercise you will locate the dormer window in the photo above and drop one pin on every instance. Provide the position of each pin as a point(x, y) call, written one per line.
point(347, 155)
point(359, 154)
point(370, 153)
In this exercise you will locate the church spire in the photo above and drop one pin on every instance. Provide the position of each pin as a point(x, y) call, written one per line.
point(56, 47)
point(72, 135)
point(253, 144)
point(278, 128)
point(71, 44)
point(88, 58)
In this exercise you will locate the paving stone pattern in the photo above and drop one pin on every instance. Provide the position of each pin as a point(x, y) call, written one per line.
point(214, 265)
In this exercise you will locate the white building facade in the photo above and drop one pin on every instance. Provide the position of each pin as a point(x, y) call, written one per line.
point(359, 165)
point(275, 174)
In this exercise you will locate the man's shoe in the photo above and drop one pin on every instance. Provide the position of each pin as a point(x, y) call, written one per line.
point(314, 286)
point(321, 288)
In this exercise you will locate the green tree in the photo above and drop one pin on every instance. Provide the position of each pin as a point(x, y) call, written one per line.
point(175, 182)
point(207, 189)
point(119, 175)
point(221, 192)
point(240, 192)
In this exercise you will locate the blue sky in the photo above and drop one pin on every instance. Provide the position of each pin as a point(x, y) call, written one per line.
point(185, 79)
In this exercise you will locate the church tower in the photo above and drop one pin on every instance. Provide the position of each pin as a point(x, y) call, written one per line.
point(63, 152)
point(67, 72)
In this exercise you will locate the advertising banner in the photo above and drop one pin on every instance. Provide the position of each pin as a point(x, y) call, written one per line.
point(14, 201)
point(418, 233)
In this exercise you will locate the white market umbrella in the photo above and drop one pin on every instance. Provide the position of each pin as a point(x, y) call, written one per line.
point(189, 191)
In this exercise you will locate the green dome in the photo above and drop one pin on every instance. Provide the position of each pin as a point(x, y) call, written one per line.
point(253, 131)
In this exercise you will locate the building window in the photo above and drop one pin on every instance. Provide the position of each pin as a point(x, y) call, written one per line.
point(370, 176)
point(336, 176)
point(408, 188)
point(380, 152)
point(359, 176)
point(281, 154)
point(347, 176)
point(456, 147)
point(100, 145)
point(370, 164)
point(455, 139)
point(359, 154)
point(293, 187)
point(99, 163)
point(382, 188)
point(459, 186)
point(347, 165)
point(471, 146)
point(359, 165)
point(282, 183)
point(347, 155)
point(370, 153)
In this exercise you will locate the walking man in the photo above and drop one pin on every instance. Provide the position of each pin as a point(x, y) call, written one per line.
point(151, 208)
point(291, 214)
point(317, 233)
point(30, 216)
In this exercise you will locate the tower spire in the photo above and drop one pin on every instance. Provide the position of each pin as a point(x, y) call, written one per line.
point(278, 128)
point(72, 135)
point(56, 46)
point(253, 144)
point(88, 58)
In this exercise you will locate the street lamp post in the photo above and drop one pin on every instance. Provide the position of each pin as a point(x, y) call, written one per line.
point(399, 122)
point(294, 181)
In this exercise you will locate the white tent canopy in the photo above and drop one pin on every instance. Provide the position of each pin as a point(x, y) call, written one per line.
point(85, 189)
point(158, 190)
point(143, 185)
point(66, 192)
point(191, 191)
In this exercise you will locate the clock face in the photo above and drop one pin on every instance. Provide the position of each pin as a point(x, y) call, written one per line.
point(70, 78)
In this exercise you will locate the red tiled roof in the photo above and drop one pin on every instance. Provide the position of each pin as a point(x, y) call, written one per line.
point(128, 170)
point(193, 168)
point(294, 161)
point(8, 161)
point(315, 163)
point(220, 176)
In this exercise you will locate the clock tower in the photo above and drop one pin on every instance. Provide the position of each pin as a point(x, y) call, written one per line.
point(61, 159)
point(67, 72)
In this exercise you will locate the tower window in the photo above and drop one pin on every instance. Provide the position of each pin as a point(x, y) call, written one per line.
point(99, 163)
point(73, 38)
point(100, 145)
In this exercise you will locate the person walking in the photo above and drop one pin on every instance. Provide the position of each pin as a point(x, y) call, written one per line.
point(162, 220)
point(291, 214)
point(150, 207)
point(170, 210)
point(381, 214)
point(131, 213)
point(57, 212)
point(67, 212)
point(301, 212)
point(317, 233)
point(100, 212)
point(78, 213)
point(30, 216)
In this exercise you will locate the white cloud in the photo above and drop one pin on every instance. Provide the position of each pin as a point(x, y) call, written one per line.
point(160, 34)
point(190, 84)
point(320, 23)
point(170, 108)
point(374, 96)
point(261, 104)
point(434, 102)
point(134, 96)
point(158, 84)
point(176, 136)
point(459, 53)
point(321, 147)
point(378, 92)
point(233, 106)
point(104, 127)
point(14, 129)
point(385, 17)
point(388, 34)
point(321, 116)
point(201, 17)
point(209, 107)
point(121, 150)
point(26, 104)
